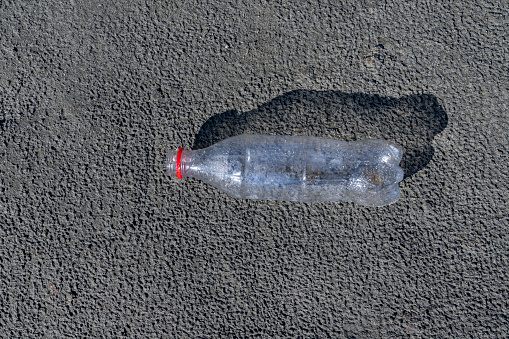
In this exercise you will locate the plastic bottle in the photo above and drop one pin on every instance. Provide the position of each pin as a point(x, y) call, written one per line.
point(296, 168)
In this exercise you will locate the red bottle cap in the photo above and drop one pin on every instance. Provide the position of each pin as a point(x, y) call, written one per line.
point(179, 163)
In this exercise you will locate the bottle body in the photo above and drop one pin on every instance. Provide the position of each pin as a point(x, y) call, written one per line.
point(297, 168)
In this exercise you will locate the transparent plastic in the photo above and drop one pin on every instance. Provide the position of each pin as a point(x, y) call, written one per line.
point(296, 168)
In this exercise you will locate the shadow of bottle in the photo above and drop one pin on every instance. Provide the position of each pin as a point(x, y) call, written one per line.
point(411, 121)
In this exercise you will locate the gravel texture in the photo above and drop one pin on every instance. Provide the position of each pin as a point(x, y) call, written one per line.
point(96, 240)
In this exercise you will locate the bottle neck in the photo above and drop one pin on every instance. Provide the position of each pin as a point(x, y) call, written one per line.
point(179, 163)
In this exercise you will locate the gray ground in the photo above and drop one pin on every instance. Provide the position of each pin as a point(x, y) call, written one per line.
point(97, 240)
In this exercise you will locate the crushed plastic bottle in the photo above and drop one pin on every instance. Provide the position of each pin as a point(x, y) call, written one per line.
point(296, 168)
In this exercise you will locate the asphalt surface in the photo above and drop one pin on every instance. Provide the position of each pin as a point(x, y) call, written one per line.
point(96, 240)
